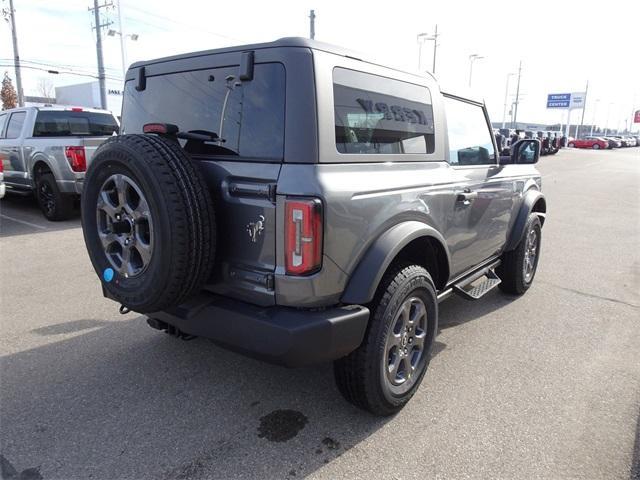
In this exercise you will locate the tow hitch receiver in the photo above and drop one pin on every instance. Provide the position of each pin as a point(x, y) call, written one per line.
point(169, 329)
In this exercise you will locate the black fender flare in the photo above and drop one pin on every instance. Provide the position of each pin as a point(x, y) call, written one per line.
point(531, 198)
point(366, 277)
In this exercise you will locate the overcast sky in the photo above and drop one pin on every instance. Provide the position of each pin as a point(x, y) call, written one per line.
point(562, 44)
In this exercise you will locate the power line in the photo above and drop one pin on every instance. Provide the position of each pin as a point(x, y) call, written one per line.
point(57, 72)
point(178, 22)
point(59, 65)
point(72, 71)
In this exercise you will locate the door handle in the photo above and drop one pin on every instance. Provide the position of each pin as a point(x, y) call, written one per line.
point(466, 196)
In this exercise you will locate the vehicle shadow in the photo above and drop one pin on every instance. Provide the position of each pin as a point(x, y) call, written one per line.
point(20, 215)
point(120, 400)
point(457, 311)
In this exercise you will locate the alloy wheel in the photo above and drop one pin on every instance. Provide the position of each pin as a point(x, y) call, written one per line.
point(125, 227)
point(404, 356)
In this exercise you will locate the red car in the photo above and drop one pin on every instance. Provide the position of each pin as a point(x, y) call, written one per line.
point(595, 143)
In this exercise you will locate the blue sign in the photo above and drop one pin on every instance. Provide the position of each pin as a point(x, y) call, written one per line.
point(558, 100)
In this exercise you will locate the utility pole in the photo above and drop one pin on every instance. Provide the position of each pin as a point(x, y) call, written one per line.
point(312, 24)
point(98, 27)
point(16, 57)
point(584, 107)
point(515, 112)
point(435, 49)
point(122, 52)
point(506, 95)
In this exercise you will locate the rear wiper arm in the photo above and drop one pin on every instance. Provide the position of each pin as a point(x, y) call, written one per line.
point(173, 130)
point(200, 135)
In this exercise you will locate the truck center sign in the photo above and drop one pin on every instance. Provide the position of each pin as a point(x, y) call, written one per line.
point(558, 100)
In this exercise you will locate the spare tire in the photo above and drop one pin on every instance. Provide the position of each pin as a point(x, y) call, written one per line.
point(148, 222)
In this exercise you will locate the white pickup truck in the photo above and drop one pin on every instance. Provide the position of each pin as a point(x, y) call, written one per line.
point(46, 151)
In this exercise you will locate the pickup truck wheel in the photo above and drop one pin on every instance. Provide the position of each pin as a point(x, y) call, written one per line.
point(383, 374)
point(518, 267)
point(148, 222)
point(54, 204)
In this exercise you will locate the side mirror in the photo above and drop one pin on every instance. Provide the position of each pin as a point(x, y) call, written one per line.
point(525, 151)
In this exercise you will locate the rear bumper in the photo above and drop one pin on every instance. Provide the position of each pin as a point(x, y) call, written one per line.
point(281, 335)
point(71, 186)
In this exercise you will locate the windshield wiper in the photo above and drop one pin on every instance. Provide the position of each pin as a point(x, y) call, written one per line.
point(174, 131)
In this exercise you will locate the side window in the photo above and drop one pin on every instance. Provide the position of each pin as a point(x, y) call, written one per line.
point(378, 115)
point(3, 119)
point(15, 124)
point(470, 141)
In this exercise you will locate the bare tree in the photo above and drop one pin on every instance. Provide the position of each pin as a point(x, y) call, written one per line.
point(45, 88)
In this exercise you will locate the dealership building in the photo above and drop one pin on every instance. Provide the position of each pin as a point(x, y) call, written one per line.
point(88, 95)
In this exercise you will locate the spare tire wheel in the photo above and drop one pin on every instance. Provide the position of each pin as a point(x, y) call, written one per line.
point(148, 222)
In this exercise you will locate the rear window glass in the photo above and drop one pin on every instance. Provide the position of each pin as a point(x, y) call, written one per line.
point(62, 123)
point(247, 116)
point(378, 115)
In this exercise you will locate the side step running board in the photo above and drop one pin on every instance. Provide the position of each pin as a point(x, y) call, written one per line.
point(479, 290)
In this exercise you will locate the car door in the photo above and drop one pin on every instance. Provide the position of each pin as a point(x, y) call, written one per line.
point(11, 149)
point(484, 198)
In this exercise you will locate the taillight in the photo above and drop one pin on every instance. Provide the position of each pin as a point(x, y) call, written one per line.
point(76, 158)
point(1, 164)
point(303, 235)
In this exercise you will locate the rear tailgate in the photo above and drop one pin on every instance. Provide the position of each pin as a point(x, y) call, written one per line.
point(90, 145)
point(247, 113)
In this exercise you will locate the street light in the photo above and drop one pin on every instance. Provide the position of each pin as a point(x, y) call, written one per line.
point(593, 121)
point(132, 36)
point(423, 37)
point(473, 58)
point(506, 94)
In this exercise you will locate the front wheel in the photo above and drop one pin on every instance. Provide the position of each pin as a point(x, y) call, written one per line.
point(572, 145)
point(596, 146)
point(384, 373)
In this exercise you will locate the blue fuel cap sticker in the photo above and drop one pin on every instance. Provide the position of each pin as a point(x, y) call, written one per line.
point(107, 275)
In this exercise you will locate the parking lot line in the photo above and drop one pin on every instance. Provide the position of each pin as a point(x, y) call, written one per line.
point(23, 222)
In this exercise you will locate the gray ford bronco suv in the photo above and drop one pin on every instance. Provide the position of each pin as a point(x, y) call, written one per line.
point(297, 203)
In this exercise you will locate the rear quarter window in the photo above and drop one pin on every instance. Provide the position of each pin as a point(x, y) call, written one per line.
point(247, 115)
point(16, 122)
point(379, 115)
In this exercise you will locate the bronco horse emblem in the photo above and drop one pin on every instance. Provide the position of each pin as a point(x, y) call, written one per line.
point(254, 229)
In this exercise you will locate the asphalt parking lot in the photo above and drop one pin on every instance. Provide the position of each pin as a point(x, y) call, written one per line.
point(542, 386)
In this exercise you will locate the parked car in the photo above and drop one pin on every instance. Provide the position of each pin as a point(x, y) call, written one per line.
point(323, 219)
point(613, 142)
point(2, 184)
point(46, 151)
point(624, 141)
point(595, 143)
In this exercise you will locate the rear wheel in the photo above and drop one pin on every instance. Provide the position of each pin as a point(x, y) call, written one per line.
point(518, 267)
point(148, 222)
point(384, 373)
point(54, 205)
point(572, 145)
point(595, 146)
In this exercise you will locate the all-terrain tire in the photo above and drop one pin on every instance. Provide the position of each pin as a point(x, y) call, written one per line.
point(180, 211)
point(512, 269)
point(54, 204)
point(360, 376)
